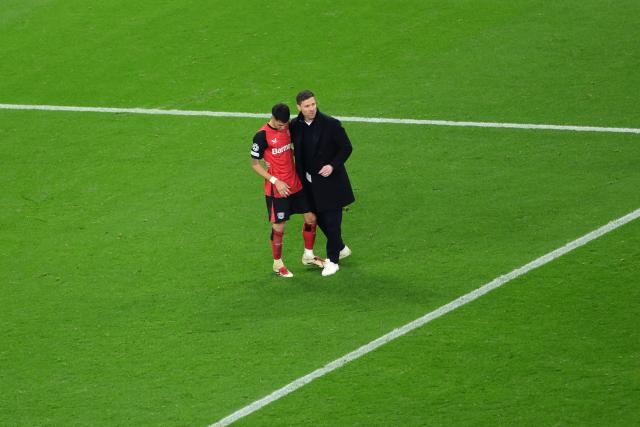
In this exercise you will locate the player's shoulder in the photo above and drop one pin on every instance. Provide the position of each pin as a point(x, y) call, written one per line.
point(261, 135)
point(264, 128)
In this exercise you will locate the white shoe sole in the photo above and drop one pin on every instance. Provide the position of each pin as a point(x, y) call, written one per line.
point(326, 272)
point(313, 261)
point(283, 275)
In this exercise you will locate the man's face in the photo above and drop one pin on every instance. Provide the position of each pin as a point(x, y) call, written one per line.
point(277, 124)
point(308, 108)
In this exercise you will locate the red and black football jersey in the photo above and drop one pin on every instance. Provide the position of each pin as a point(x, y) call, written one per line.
point(274, 146)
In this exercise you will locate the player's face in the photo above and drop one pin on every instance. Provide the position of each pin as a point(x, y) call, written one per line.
point(308, 108)
point(278, 125)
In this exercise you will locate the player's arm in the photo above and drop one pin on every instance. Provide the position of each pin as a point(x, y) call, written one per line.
point(257, 152)
point(281, 186)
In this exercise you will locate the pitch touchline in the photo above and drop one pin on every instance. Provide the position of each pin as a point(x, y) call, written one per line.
point(396, 333)
point(156, 111)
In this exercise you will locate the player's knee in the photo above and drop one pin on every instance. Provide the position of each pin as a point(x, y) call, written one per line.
point(310, 218)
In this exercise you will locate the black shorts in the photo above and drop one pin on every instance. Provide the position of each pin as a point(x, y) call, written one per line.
point(280, 209)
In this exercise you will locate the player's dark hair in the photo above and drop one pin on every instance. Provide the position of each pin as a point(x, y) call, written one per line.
point(281, 112)
point(303, 96)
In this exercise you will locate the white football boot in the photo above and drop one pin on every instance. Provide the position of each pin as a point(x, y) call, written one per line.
point(345, 252)
point(280, 269)
point(311, 259)
point(330, 268)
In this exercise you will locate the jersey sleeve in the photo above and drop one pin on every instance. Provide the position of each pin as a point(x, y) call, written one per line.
point(259, 145)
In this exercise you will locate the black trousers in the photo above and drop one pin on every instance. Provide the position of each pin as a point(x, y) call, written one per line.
point(330, 222)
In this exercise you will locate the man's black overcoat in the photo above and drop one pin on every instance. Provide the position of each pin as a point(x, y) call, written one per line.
point(332, 147)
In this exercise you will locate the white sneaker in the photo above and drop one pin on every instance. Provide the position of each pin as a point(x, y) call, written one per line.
point(313, 260)
point(280, 269)
point(330, 268)
point(345, 252)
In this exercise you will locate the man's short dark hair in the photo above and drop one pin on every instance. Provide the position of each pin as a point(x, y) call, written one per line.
point(281, 112)
point(303, 96)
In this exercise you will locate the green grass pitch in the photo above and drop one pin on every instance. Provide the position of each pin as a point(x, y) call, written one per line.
point(134, 259)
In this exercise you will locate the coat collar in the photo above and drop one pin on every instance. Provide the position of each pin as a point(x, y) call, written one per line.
point(319, 117)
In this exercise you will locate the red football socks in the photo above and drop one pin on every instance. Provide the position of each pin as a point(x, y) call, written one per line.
point(309, 235)
point(276, 243)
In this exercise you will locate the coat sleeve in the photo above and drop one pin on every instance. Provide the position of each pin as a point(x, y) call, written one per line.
point(343, 146)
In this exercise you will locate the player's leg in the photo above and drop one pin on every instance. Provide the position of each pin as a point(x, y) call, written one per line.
point(300, 204)
point(277, 236)
point(309, 237)
point(278, 216)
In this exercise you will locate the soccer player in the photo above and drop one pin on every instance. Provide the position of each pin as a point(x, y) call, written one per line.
point(283, 189)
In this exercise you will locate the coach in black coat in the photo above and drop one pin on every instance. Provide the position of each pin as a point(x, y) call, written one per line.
point(321, 148)
point(329, 145)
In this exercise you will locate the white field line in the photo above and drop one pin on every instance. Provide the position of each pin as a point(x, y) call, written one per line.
point(156, 111)
point(396, 333)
